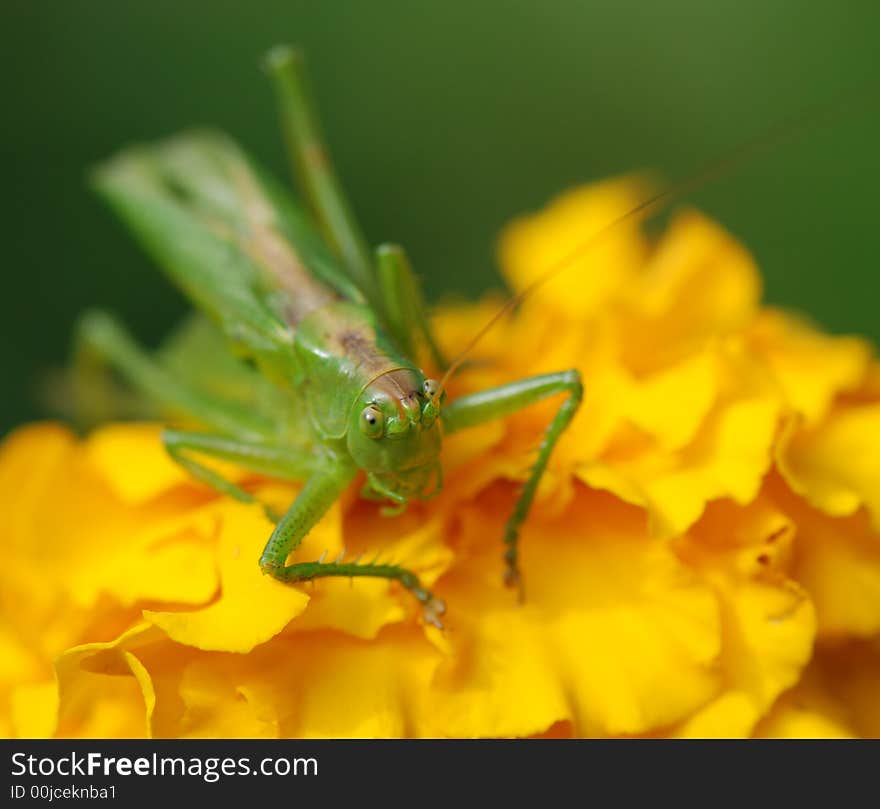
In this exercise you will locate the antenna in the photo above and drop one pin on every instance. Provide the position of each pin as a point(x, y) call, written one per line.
point(768, 140)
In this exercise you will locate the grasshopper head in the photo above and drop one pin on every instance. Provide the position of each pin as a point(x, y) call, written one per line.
point(394, 435)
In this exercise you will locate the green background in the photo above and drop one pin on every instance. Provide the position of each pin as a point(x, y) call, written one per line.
point(446, 119)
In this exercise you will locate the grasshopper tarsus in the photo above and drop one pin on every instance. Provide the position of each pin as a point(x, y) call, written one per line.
point(513, 579)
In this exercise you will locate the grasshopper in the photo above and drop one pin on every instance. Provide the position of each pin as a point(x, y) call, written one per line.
point(315, 336)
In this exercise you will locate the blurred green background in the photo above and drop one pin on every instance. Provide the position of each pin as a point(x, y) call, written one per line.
point(446, 119)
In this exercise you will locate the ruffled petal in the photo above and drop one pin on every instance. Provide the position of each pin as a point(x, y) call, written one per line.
point(837, 561)
point(836, 697)
point(536, 243)
point(851, 672)
point(77, 560)
point(332, 685)
point(111, 450)
point(30, 461)
point(810, 367)
point(806, 712)
point(104, 690)
point(836, 466)
point(699, 285)
point(768, 622)
point(729, 459)
point(611, 618)
point(672, 404)
point(251, 607)
point(215, 707)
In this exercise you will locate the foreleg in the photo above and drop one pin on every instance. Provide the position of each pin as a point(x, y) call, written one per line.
point(476, 408)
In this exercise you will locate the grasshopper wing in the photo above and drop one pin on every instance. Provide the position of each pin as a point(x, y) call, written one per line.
point(228, 236)
point(198, 352)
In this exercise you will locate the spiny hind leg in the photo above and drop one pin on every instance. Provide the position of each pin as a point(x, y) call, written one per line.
point(469, 411)
point(316, 497)
point(432, 607)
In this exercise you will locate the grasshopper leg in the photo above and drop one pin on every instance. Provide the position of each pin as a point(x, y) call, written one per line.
point(101, 337)
point(270, 459)
point(314, 169)
point(319, 493)
point(404, 304)
point(468, 411)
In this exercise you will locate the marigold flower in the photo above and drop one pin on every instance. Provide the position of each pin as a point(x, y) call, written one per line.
point(703, 557)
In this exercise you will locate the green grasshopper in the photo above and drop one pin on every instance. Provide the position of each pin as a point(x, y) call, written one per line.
point(322, 380)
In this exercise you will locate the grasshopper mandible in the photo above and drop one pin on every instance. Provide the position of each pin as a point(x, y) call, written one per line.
point(322, 332)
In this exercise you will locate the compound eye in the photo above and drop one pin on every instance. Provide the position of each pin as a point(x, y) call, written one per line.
point(431, 388)
point(372, 421)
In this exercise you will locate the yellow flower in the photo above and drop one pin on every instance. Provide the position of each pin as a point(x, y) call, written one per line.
point(703, 557)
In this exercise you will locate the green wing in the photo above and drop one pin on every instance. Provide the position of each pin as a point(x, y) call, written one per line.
point(228, 236)
point(197, 352)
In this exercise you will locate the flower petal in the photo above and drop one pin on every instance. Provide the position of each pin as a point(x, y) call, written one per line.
point(252, 607)
point(812, 368)
point(836, 466)
point(810, 710)
point(805, 713)
point(670, 405)
point(768, 623)
point(535, 244)
point(331, 685)
point(30, 460)
point(111, 449)
point(611, 619)
point(851, 672)
point(104, 691)
point(728, 459)
point(74, 552)
point(837, 560)
point(836, 698)
point(214, 707)
point(34, 710)
point(698, 286)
